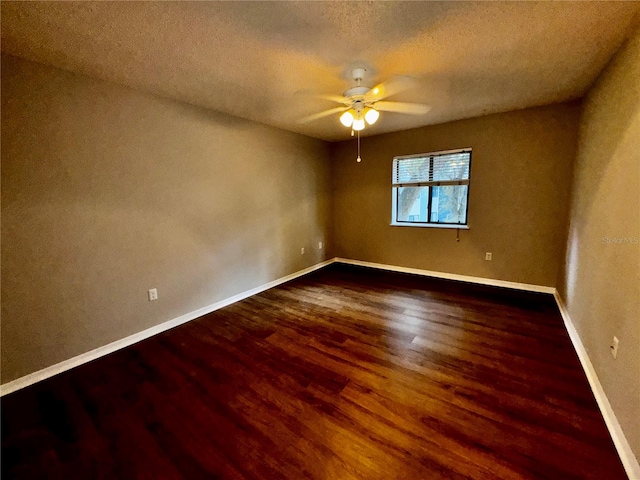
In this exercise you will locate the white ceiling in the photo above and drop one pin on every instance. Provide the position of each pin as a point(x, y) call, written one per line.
point(253, 59)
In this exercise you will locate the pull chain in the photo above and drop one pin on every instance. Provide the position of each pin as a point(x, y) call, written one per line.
point(358, 159)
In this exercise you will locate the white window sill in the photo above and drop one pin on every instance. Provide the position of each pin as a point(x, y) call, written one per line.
point(429, 225)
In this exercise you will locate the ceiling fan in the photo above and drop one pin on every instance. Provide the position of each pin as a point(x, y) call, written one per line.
point(362, 104)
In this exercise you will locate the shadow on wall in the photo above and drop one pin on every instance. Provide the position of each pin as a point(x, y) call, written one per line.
point(595, 179)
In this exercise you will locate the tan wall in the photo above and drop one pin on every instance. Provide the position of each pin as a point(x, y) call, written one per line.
point(600, 282)
point(107, 192)
point(520, 177)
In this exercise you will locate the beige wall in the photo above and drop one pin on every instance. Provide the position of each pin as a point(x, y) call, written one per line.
point(520, 177)
point(107, 192)
point(600, 282)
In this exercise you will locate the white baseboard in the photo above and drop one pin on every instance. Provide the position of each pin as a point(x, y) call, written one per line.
point(65, 365)
point(451, 276)
point(629, 460)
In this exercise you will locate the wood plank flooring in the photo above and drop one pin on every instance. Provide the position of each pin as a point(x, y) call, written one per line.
point(347, 373)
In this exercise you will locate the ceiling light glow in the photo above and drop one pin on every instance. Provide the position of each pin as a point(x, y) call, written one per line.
point(346, 118)
point(371, 116)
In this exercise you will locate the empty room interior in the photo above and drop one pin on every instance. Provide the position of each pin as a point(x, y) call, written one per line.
point(320, 240)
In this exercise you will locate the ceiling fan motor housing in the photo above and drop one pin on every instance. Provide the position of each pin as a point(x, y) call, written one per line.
point(356, 91)
point(358, 106)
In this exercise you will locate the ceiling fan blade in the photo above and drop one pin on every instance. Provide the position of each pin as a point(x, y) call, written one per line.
point(326, 113)
point(325, 96)
point(334, 98)
point(399, 107)
point(392, 86)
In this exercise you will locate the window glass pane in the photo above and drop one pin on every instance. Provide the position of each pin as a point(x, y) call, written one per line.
point(412, 203)
point(449, 204)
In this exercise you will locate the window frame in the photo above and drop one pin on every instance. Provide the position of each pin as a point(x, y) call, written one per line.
point(394, 192)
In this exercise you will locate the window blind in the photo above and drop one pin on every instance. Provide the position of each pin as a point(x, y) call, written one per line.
point(451, 168)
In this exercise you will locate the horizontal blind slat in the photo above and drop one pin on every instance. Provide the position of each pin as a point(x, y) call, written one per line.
point(435, 183)
point(433, 168)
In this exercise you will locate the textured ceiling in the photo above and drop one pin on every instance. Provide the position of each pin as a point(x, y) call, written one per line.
point(253, 60)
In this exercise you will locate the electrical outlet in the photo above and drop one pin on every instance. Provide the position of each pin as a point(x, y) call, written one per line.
point(319, 245)
point(488, 256)
point(153, 294)
point(614, 347)
point(302, 251)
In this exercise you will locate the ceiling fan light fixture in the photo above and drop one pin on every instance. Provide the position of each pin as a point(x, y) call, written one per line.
point(371, 116)
point(358, 124)
point(347, 118)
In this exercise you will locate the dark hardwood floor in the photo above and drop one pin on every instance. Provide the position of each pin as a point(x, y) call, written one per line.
point(347, 373)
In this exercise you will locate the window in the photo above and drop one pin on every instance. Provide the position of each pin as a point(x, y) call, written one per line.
point(431, 189)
